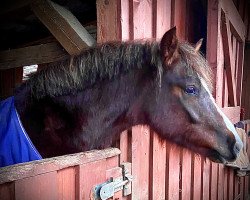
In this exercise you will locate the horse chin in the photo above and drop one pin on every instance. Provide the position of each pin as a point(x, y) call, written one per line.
point(218, 159)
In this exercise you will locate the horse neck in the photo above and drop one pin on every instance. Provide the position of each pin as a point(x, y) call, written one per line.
point(111, 107)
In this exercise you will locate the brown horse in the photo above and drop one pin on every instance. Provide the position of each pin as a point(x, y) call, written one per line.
point(85, 102)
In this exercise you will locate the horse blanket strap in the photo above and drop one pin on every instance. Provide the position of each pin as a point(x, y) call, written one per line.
point(15, 144)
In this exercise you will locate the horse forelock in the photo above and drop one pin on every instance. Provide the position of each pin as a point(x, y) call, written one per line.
point(196, 62)
point(95, 64)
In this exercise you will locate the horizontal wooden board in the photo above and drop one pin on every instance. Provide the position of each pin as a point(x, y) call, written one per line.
point(24, 170)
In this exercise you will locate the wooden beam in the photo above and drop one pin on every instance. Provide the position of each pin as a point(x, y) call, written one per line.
point(239, 77)
point(214, 48)
point(38, 54)
point(227, 49)
point(235, 19)
point(63, 25)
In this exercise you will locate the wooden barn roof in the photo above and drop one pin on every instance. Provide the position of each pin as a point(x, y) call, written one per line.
point(52, 28)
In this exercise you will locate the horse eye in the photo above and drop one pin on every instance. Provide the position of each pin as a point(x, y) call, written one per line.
point(191, 90)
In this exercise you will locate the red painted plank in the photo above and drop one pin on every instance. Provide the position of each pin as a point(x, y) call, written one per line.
point(234, 55)
point(230, 184)
point(186, 175)
point(219, 79)
point(66, 183)
point(214, 179)
point(242, 181)
point(220, 182)
point(158, 167)
point(180, 18)
point(125, 25)
point(225, 103)
point(236, 186)
point(7, 191)
point(107, 20)
point(213, 27)
point(124, 146)
point(142, 19)
point(226, 183)
point(205, 178)
point(140, 162)
point(196, 177)
point(88, 176)
point(173, 172)
point(239, 78)
point(246, 187)
point(38, 187)
point(162, 17)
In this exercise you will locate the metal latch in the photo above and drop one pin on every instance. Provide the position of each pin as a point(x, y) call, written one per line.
point(109, 188)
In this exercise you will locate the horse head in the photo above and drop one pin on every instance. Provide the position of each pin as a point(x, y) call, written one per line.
point(184, 109)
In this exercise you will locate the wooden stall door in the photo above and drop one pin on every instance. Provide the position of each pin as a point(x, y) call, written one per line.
point(225, 54)
point(67, 177)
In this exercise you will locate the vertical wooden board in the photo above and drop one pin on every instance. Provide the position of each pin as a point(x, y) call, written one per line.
point(242, 191)
point(162, 17)
point(107, 20)
point(240, 72)
point(220, 195)
point(38, 187)
point(225, 91)
point(230, 184)
point(158, 167)
point(66, 179)
point(7, 191)
point(205, 178)
point(173, 172)
point(246, 188)
point(180, 18)
point(142, 19)
point(140, 162)
point(88, 176)
point(225, 183)
point(124, 146)
point(236, 186)
point(219, 78)
point(196, 192)
point(186, 175)
point(214, 179)
point(125, 17)
point(213, 32)
point(234, 55)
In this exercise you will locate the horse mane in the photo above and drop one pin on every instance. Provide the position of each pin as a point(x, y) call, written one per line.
point(95, 64)
point(106, 62)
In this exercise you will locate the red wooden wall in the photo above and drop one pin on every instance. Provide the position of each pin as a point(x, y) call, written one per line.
point(160, 170)
point(163, 170)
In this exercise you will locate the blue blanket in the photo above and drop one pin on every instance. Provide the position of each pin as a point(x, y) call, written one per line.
point(15, 144)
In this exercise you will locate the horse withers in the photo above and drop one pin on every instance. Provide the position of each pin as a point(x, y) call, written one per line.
point(86, 101)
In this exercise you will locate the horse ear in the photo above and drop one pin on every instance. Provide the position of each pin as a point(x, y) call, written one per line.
point(169, 46)
point(198, 45)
